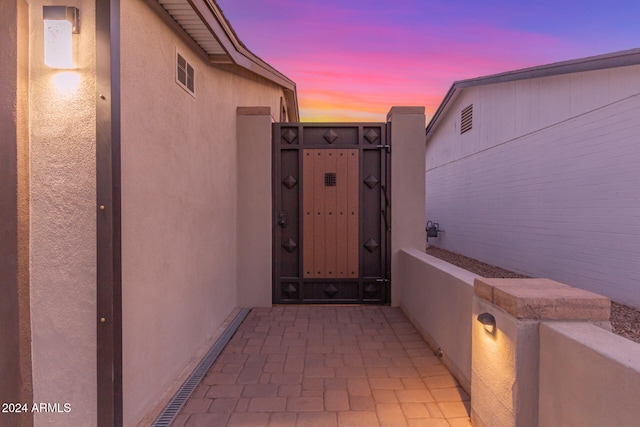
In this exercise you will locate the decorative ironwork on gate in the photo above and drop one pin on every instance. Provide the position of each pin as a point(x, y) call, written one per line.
point(331, 213)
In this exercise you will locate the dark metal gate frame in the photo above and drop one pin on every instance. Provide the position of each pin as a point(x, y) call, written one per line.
point(289, 141)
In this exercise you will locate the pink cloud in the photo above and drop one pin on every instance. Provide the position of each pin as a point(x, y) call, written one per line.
point(342, 64)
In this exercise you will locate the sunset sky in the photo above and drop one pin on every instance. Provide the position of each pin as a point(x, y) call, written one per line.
point(354, 59)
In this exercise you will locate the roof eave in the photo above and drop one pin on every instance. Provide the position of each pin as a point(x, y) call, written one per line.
point(224, 47)
point(591, 63)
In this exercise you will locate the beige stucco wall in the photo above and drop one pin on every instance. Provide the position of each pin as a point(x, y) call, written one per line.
point(436, 297)
point(588, 377)
point(179, 204)
point(62, 239)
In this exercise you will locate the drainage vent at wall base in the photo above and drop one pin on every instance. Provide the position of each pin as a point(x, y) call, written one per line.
point(184, 392)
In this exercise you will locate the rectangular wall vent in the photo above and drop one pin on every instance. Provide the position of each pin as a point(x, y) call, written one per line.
point(185, 74)
point(466, 119)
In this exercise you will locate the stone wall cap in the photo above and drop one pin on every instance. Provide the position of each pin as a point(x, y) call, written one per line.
point(543, 299)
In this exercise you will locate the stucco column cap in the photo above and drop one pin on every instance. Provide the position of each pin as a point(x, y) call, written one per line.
point(543, 299)
point(254, 111)
point(405, 110)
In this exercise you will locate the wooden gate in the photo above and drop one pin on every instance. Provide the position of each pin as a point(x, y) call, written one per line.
point(331, 213)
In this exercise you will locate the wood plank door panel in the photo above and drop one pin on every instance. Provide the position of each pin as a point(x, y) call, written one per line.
point(330, 207)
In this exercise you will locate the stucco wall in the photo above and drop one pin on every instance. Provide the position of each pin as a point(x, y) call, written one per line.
point(588, 377)
point(63, 232)
point(546, 182)
point(179, 204)
point(437, 298)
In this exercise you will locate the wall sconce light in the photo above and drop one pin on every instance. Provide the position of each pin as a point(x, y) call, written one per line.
point(433, 228)
point(60, 22)
point(488, 321)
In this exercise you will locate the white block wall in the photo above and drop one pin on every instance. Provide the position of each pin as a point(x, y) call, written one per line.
point(547, 183)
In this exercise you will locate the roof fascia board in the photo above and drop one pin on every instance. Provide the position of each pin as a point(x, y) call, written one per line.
point(220, 59)
point(592, 63)
point(292, 102)
point(448, 99)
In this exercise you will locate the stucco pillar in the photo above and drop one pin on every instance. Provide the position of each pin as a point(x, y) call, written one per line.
point(407, 187)
point(254, 206)
point(505, 358)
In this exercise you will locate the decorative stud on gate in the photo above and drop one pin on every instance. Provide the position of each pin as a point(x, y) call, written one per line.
point(290, 291)
point(371, 181)
point(289, 135)
point(330, 136)
point(371, 136)
point(290, 245)
point(371, 245)
point(330, 290)
point(370, 290)
point(290, 182)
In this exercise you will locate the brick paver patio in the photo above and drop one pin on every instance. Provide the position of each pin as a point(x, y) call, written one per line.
point(327, 366)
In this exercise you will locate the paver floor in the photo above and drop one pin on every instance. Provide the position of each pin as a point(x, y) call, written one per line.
point(327, 366)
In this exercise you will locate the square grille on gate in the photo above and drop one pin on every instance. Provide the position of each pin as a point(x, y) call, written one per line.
point(330, 179)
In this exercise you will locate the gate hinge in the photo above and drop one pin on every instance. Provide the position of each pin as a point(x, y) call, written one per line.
point(385, 147)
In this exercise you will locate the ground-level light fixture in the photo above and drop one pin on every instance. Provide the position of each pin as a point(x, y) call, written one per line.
point(488, 321)
point(60, 22)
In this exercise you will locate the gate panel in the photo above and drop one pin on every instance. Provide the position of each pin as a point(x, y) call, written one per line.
point(330, 238)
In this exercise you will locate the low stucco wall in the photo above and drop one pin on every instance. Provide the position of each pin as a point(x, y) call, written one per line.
point(437, 298)
point(588, 377)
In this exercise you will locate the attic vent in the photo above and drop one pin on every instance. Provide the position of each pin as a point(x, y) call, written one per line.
point(466, 119)
point(185, 74)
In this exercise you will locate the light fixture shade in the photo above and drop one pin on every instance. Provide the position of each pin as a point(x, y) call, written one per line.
point(488, 321)
point(60, 22)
